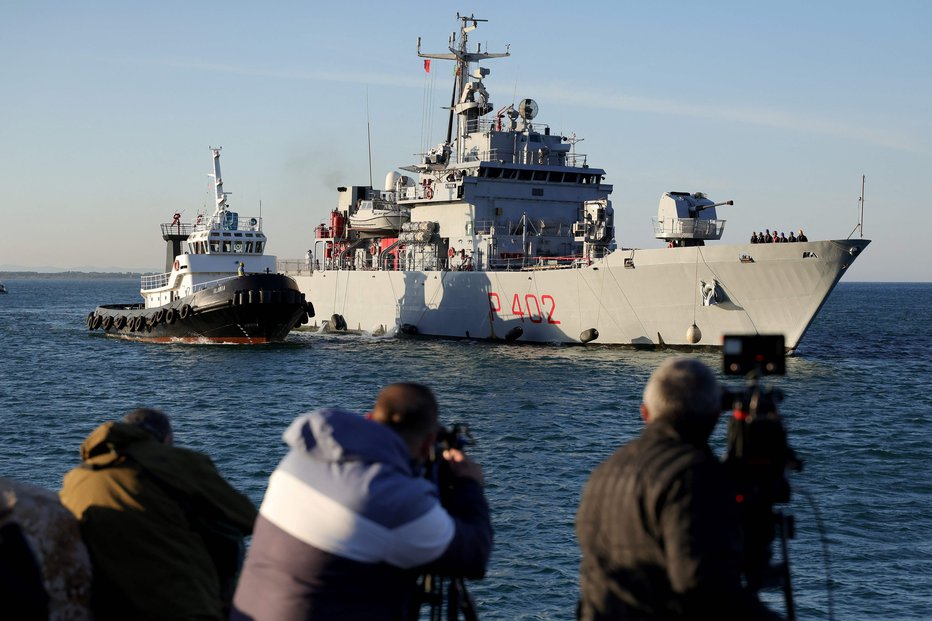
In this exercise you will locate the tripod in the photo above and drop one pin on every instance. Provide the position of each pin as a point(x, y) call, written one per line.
point(458, 599)
point(759, 457)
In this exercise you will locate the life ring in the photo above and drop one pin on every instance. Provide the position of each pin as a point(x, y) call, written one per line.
point(185, 311)
point(176, 219)
point(176, 265)
point(451, 252)
point(428, 192)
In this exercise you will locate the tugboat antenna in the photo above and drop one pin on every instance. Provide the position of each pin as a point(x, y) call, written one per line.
point(368, 136)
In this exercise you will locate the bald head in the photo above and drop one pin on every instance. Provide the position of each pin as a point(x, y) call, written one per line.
point(409, 409)
point(684, 392)
point(153, 421)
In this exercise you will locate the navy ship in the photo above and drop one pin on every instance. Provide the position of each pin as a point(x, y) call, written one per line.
point(504, 231)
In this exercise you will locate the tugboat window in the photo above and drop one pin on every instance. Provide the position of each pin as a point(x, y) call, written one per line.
point(226, 246)
point(214, 245)
point(258, 246)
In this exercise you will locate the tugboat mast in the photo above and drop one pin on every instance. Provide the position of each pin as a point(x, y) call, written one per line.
point(219, 195)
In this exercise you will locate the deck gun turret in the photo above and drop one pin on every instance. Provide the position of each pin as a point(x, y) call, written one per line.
point(685, 219)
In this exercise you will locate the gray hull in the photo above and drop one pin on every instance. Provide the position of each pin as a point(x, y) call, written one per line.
point(630, 297)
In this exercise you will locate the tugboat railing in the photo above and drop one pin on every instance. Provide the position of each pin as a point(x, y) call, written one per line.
point(157, 281)
point(211, 283)
point(177, 228)
point(154, 281)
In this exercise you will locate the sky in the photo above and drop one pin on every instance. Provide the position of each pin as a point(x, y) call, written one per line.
point(108, 110)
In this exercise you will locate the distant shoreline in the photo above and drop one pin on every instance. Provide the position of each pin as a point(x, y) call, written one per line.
point(71, 275)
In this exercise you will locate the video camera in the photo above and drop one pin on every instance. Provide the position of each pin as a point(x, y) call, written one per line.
point(440, 591)
point(759, 457)
point(455, 436)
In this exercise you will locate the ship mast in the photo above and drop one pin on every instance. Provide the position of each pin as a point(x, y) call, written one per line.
point(219, 195)
point(460, 54)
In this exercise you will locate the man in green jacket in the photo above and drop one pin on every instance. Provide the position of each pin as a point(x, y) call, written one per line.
point(163, 528)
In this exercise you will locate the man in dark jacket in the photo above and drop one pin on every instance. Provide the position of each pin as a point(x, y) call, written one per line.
point(348, 522)
point(153, 517)
point(657, 524)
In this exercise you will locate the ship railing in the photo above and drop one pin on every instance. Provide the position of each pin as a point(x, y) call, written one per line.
point(537, 263)
point(228, 221)
point(528, 156)
point(294, 266)
point(529, 228)
point(689, 228)
point(577, 160)
point(154, 281)
point(502, 125)
point(177, 228)
point(211, 283)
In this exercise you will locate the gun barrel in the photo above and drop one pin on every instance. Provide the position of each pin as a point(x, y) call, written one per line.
point(702, 207)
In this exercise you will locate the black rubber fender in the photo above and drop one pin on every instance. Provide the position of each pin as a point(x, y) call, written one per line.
point(338, 322)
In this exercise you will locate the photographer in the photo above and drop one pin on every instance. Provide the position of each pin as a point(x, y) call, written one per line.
point(348, 522)
point(657, 524)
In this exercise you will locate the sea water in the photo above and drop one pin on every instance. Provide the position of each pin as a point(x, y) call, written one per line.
point(858, 411)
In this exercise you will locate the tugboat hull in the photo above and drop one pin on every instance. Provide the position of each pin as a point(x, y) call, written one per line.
point(257, 308)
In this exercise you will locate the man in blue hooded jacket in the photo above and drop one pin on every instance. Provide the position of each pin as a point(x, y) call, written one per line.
point(348, 522)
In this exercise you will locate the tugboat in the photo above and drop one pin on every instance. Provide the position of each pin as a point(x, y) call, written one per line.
point(504, 232)
point(218, 287)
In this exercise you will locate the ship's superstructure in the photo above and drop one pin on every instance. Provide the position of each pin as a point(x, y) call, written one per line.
point(503, 230)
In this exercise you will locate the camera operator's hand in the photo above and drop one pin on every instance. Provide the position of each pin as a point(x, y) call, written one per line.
point(462, 465)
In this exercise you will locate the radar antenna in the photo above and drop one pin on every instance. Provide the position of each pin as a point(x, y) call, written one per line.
point(528, 109)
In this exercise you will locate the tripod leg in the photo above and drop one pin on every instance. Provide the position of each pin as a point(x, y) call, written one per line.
point(785, 534)
point(467, 604)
